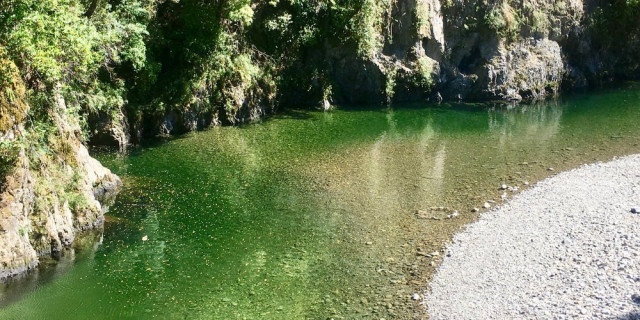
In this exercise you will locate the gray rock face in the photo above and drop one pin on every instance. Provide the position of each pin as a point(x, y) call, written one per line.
point(504, 50)
point(109, 130)
point(36, 214)
point(17, 255)
point(529, 69)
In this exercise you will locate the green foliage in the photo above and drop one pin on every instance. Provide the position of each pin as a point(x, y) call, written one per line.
point(58, 45)
point(540, 22)
point(78, 202)
point(367, 26)
point(149, 56)
point(422, 77)
point(9, 151)
point(504, 20)
point(623, 17)
point(240, 11)
point(422, 15)
point(13, 105)
point(390, 82)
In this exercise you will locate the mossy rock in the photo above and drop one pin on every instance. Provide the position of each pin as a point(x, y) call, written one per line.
point(13, 102)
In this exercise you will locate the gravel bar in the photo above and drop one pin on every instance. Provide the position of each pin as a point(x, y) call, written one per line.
point(568, 248)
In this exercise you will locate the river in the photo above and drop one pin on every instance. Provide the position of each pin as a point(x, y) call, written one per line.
point(313, 215)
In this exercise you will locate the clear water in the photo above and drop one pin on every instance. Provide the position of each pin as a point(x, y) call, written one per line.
point(312, 215)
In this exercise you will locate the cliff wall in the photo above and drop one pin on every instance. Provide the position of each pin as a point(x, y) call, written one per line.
point(318, 53)
point(51, 189)
point(476, 50)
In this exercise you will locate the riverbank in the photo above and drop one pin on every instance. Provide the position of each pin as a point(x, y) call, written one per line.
point(566, 248)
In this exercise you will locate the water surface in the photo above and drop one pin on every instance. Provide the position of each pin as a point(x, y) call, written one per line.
point(313, 215)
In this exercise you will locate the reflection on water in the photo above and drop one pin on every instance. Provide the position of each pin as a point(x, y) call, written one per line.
point(84, 248)
point(314, 215)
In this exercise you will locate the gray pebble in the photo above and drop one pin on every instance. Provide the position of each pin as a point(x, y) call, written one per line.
point(548, 260)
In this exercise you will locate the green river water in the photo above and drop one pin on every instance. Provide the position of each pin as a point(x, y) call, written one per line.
point(312, 215)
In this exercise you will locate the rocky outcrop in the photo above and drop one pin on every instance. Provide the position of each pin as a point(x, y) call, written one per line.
point(461, 50)
point(109, 129)
point(530, 69)
point(17, 254)
point(319, 53)
point(508, 50)
point(46, 197)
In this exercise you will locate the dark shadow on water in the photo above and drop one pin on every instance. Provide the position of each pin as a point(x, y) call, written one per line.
point(49, 269)
point(297, 114)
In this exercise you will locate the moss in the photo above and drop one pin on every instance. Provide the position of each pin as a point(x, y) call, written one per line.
point(422, 76)
point(422, 14)
point(540, 22)
point(504, 20)
point(8, 156)
point(368, 26)
point(390, 82)
point(56, 184)
point(13, 103)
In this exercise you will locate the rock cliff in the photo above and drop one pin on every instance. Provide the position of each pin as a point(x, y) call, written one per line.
point(471, 50)
point(45, 197)
point(251, 56)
